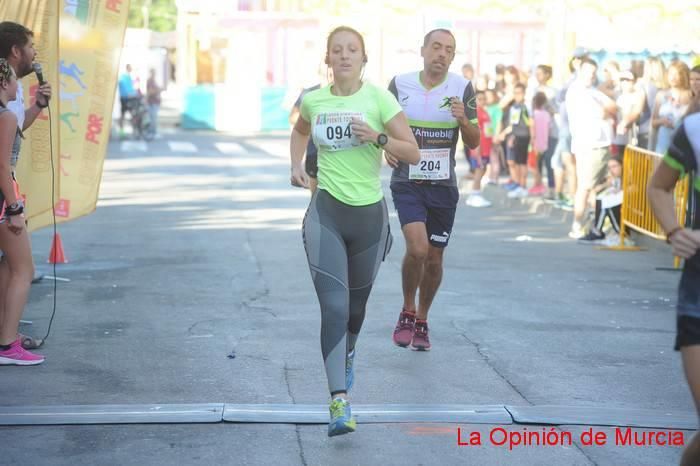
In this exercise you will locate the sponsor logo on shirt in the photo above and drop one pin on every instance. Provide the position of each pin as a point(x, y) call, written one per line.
point(433, 133)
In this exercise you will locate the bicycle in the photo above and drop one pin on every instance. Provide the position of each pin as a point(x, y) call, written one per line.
point(140, 119)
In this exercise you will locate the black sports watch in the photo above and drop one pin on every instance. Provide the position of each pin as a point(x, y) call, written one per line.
point(382, 139)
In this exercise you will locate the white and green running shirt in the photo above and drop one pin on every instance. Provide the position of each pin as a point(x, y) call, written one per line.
point(347, 168)
point(436, 130)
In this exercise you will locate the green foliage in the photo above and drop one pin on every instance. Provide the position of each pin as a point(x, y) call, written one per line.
point(161, 14)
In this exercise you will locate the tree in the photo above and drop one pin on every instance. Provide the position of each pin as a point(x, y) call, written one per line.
point(157, 15)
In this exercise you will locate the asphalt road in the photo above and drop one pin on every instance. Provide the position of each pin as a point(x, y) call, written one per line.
point(195, 253)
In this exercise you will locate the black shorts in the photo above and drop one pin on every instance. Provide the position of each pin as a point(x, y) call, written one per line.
point(124, 105)
point(687, 332)
point(434, 205)
point(688, 323)
point(518, 153)
point(311, 165)
point(128, 103)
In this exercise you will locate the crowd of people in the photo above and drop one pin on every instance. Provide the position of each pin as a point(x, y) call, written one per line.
point(564, 137)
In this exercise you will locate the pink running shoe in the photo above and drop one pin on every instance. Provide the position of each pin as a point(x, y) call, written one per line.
point(403, 333)
point(538, 190)
point(15, 355)
point(421, 341)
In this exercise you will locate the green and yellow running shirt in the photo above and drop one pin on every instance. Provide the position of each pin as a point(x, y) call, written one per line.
point(347, 168)
point(436, 130)
point(683, 155)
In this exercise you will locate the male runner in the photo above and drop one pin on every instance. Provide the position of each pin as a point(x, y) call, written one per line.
point(439, 106)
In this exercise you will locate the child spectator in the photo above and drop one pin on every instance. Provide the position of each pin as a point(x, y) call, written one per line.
point(516, 133)
point(542, 121)
point(479, 157)
point(495, 115)
point(608, 205)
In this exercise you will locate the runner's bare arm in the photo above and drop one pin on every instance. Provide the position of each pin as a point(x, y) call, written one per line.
point(464, 111)
point(402, 144)
point(297, 147)
point(684, 241)
point(8, 129)
point(470, 134)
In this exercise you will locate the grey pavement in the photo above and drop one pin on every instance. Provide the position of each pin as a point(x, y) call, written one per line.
point(195, 256)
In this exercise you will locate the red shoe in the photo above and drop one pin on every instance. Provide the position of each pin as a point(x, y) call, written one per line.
point(403, 333)
point(538, 190)
point(421, 341)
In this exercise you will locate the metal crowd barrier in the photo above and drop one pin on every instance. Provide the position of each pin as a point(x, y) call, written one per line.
point(639, 165)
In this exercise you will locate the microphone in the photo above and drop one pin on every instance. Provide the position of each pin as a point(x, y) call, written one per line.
point(39, 72)
point(40, 77)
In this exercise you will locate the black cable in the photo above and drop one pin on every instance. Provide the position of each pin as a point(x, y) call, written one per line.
point(53, 211)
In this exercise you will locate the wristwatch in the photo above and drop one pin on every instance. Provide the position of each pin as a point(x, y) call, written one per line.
point(382, 139)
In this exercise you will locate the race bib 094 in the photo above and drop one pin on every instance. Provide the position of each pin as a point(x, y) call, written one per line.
point(333, 131)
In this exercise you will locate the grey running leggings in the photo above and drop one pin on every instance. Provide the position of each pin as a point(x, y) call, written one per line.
point(344, 246)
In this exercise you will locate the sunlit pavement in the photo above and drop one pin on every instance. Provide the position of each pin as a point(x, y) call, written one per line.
point(194, 254)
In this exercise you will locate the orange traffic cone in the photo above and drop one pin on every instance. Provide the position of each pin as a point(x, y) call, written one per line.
point(57, 256)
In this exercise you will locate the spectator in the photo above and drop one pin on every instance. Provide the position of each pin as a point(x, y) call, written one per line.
point(468, 71)
point(543, 74)
point(608, 205)
point(153, 91)
point(542, 121)
point(563, 161)
point(127, 93)
point(670, 106)
point(499, 83)
point(695, 81)
point(625, 132)
point(479, 158)
point(515, 131)
point(482, 83)
point(591, 136)
point(652, 81)
point(611, 82)
point(511, 78)
point(495, 116)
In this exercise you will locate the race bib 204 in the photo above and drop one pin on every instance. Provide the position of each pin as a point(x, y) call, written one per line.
point(434, 165)
point(333, 131)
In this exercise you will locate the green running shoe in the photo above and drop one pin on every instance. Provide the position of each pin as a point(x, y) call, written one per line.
point(342, 421)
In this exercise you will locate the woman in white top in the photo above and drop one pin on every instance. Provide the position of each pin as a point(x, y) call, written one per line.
point(670, 106)
point(653, 81)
